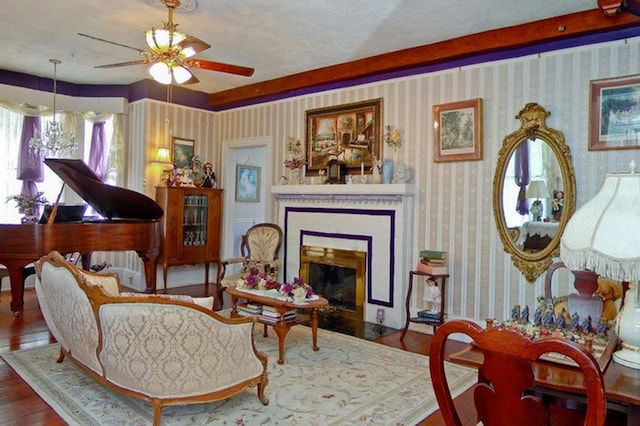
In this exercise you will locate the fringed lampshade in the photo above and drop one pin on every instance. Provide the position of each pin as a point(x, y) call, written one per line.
point(603, 236)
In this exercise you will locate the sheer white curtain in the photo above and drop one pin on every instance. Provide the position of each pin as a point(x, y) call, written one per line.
point(10, 130)
point(11, 118)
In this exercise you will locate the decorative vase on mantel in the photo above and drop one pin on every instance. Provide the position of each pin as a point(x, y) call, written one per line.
point(295, 176)
point(387, 170)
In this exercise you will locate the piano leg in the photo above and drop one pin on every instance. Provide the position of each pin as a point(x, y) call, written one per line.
point(149, 260)
point(16, 278)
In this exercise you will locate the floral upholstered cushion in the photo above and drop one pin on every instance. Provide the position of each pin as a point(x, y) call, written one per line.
point(205, 302)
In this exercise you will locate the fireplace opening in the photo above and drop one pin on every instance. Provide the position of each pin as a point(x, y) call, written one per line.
point(337, 275)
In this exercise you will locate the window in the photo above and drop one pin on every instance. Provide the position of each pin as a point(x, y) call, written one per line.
point(10, 133)
point(511, 190)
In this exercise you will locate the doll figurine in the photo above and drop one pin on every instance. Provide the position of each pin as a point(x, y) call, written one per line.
point(209, 177)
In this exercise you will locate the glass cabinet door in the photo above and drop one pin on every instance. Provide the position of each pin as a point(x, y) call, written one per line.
point(194, 222)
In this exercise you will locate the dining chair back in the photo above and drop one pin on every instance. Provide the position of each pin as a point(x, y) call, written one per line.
point(503, 394)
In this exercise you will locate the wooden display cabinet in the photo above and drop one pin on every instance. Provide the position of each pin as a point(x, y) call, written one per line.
point(191, 227)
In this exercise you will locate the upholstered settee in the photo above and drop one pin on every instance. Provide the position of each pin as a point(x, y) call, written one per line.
point(165, 350)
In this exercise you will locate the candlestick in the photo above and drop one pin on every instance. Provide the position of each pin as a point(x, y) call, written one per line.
point(361, 169)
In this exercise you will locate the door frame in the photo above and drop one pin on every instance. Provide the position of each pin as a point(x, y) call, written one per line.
point(229, 147)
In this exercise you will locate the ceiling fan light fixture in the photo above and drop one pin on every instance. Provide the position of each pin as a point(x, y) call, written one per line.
point(163, 40)
point(181, 74)
point(161, 72)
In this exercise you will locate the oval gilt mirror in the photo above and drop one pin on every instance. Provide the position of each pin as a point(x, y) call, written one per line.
point(533, 192)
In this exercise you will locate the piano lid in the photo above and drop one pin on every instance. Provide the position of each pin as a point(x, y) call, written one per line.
point(109, 201)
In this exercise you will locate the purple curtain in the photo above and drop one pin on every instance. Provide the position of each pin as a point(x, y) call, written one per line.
point(30, 165)
point(522, 176)
point(97, 157)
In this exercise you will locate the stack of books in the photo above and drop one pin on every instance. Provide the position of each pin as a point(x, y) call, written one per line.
point(250, 309)
point(428, 316)
point(271, 315)
point(433, 262)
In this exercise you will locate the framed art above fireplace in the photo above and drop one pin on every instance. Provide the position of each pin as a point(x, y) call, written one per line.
point(351, 133)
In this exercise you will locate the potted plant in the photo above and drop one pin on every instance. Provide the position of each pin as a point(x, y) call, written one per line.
point(29, 205)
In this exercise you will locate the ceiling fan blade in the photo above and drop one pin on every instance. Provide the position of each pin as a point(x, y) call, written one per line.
point(111, 42)
point(192, 80)
point(124, 64)
point(219, 66)
point(192, 46)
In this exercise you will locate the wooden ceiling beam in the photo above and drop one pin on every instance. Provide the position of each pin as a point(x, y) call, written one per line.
point(553, 29)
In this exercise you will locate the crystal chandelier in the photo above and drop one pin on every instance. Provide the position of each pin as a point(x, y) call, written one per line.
point(54, 142)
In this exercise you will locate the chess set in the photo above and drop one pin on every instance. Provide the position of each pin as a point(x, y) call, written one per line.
point(601, 341)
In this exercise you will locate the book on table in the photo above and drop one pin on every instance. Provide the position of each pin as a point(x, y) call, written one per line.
point(429, 314)
point(432, 270)
point(433, 254)
point(252, 310)
point(275, 314)
point(274, 320)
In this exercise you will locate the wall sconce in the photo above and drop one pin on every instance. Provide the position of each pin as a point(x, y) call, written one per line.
point(163, 155)
point(392, 137)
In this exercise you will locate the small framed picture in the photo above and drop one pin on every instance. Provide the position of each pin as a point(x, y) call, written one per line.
point(247, 183)
point(458, 131)
point(614, 113)
point(183, 152)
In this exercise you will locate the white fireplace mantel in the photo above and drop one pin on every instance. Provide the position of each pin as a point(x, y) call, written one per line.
point(377, 219)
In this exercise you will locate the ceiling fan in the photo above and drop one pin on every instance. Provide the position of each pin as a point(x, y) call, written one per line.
point(170, 53)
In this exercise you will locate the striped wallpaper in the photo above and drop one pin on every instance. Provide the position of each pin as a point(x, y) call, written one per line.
point(454, 205)
point(453, 208)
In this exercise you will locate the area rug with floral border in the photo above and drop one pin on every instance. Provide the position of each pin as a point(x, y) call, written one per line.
point(349, 381)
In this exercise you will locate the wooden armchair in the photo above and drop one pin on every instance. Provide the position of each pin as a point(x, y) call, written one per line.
point(502, 395)
point(259, 248)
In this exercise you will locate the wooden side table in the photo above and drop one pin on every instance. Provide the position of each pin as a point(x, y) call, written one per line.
point(441, 281)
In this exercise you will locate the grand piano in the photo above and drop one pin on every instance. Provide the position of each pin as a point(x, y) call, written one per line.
point(131, 222)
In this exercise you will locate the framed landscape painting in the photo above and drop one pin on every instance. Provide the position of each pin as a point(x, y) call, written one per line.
point(458, 131)
point(183, 152)
point(351, 133)
point(614, 113)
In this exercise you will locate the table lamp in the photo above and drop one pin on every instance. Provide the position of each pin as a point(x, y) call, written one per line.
point(537, 189)
point(603, 236)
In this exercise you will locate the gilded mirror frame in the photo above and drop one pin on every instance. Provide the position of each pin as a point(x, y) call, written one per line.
point(533, 126)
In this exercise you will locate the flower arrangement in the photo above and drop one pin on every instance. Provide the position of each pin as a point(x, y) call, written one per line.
point(255, 279)
point(294, 148)
point(294, 163)
point(297, 289)
point(28, 203)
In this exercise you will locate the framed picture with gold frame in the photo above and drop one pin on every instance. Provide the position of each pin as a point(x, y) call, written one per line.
point(351, 133)
point(614, 113)
point(458, 131)
point(183, 152)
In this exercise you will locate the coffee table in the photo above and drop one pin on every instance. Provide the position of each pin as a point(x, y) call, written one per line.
point(281, 326)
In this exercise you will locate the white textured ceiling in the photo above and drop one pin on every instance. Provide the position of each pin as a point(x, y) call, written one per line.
point(276, 37)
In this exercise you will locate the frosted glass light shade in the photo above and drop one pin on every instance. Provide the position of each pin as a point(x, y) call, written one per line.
point(161, 40)
point(181, 74)
point(160, 72)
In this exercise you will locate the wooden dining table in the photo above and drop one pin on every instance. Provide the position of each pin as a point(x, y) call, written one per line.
point(622, 384)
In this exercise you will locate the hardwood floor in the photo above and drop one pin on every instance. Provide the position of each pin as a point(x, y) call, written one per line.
point(20, 405)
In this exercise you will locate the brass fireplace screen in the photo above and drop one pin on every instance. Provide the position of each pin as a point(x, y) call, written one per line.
point(338, 275)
